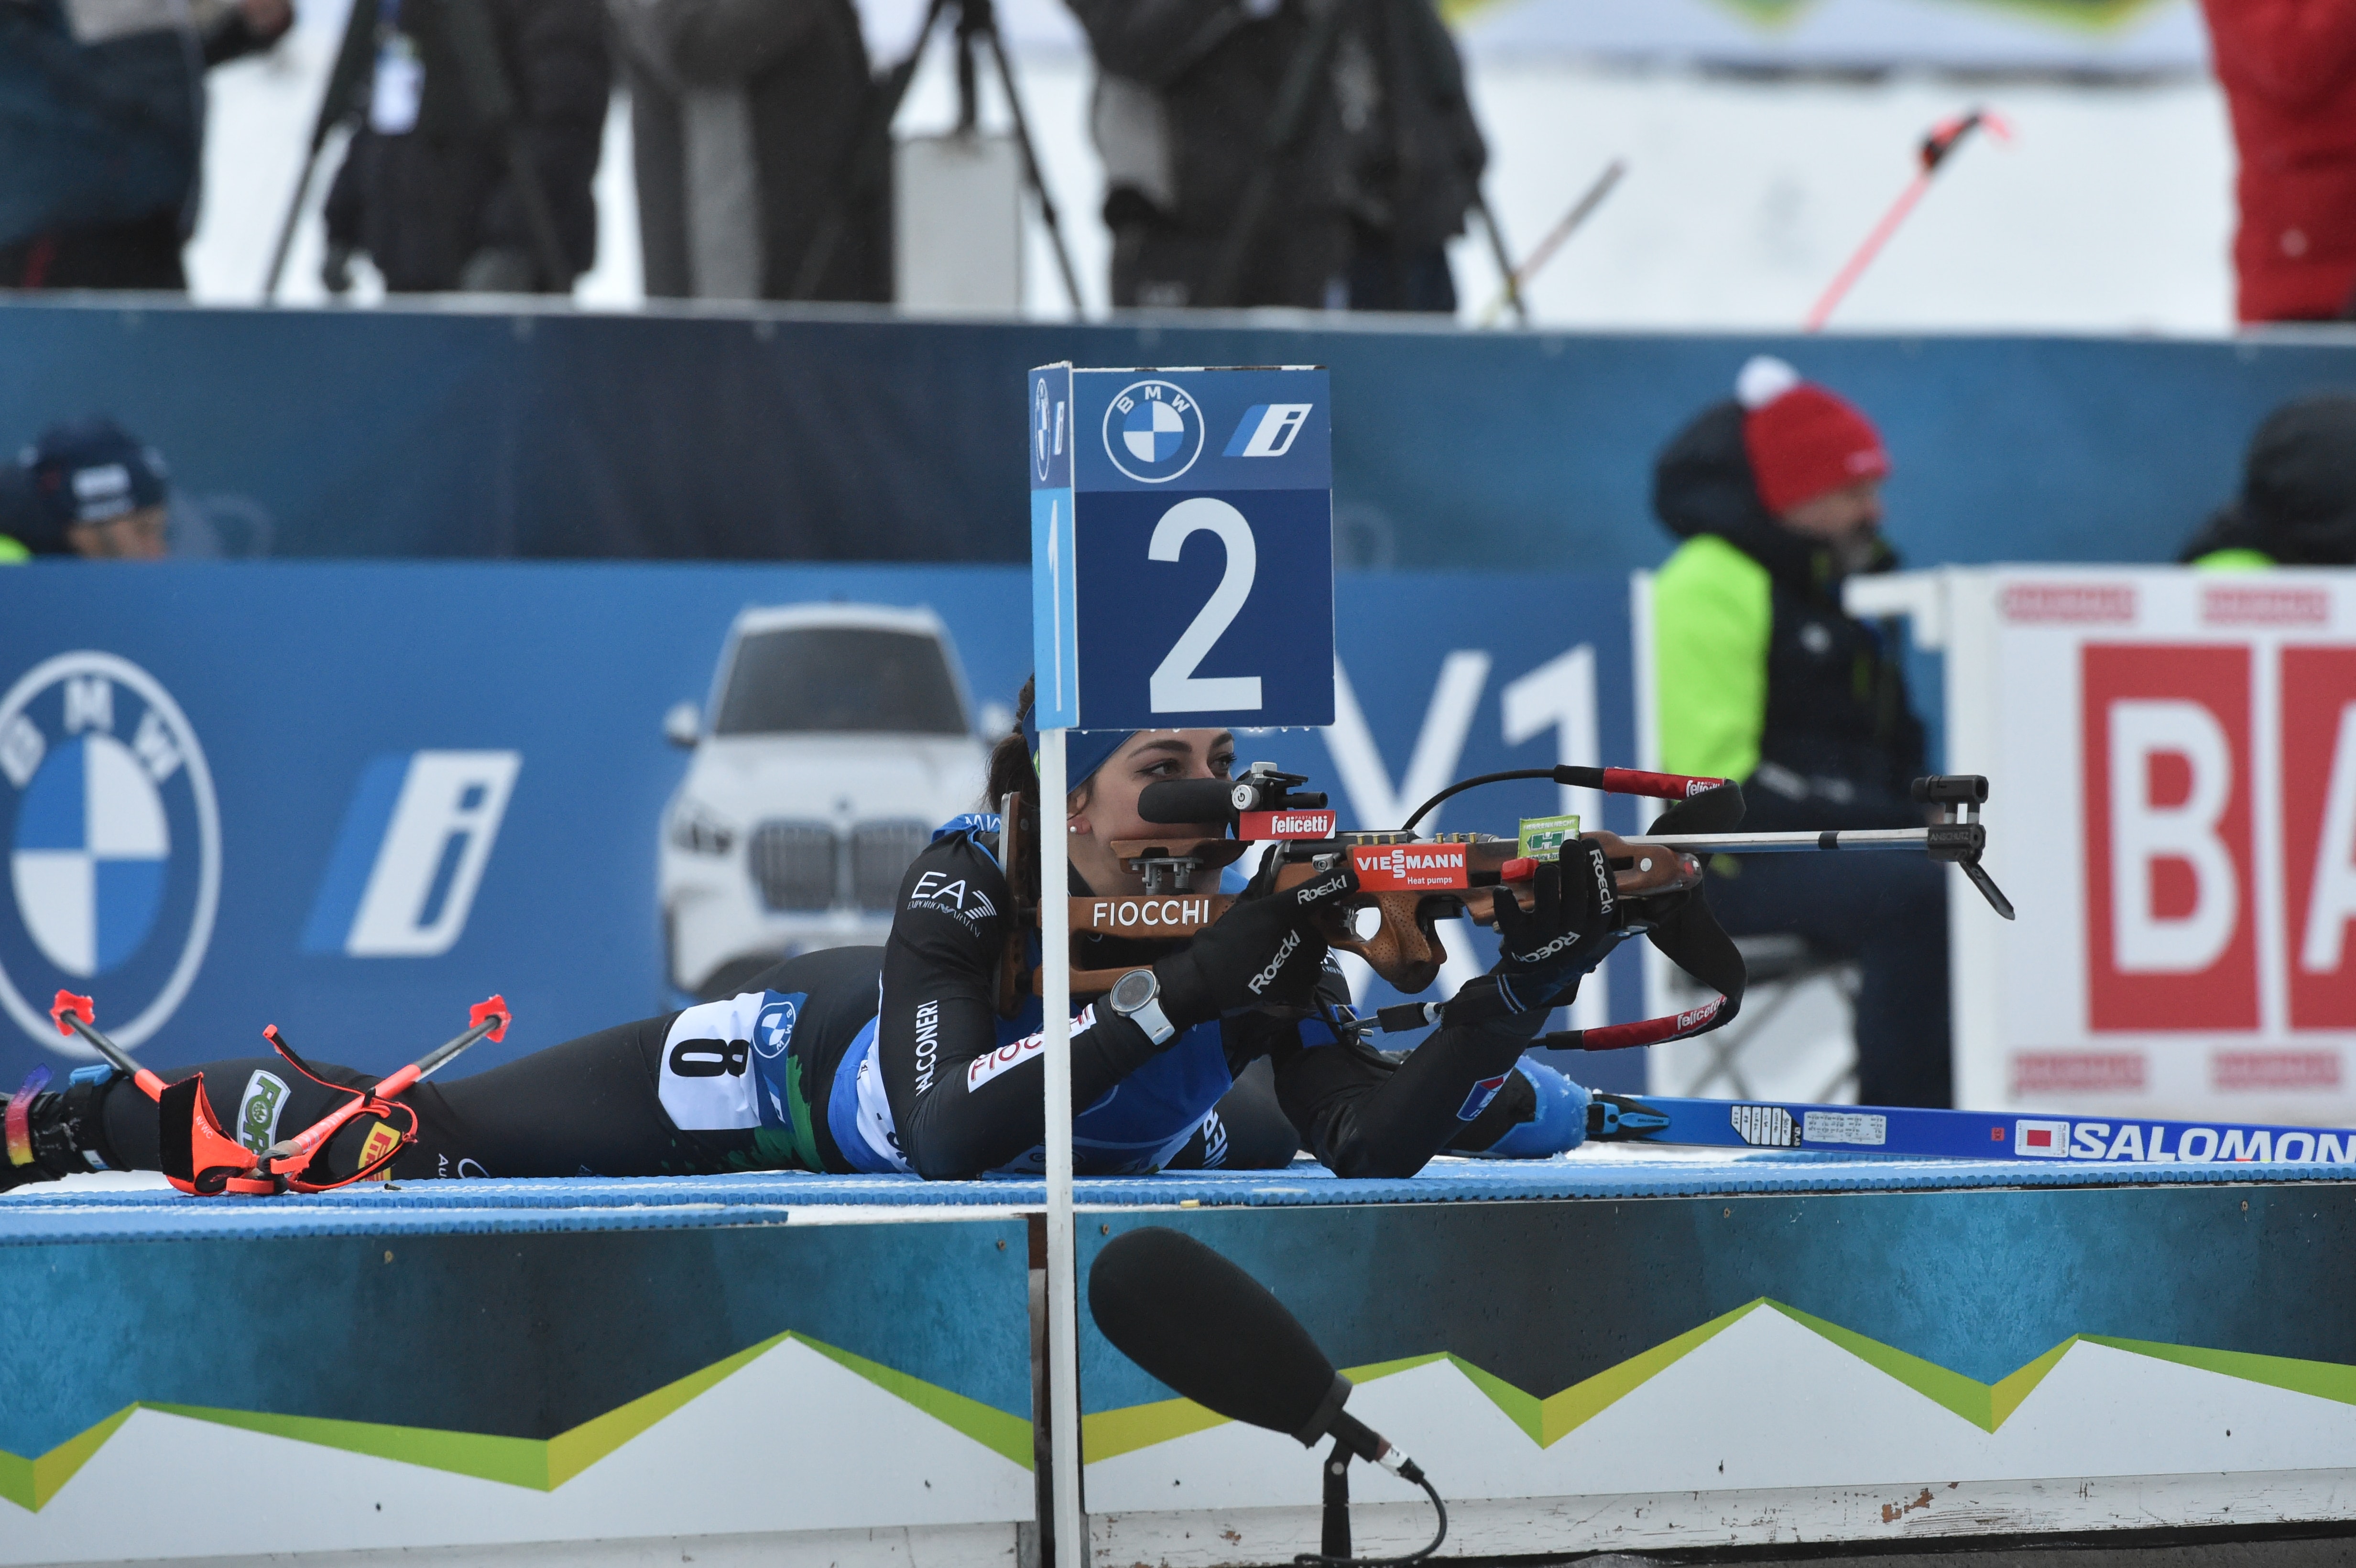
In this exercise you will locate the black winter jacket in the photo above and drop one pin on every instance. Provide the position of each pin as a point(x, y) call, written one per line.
point(424, 202)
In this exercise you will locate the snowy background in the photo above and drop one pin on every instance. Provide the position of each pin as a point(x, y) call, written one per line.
point(1759, 154)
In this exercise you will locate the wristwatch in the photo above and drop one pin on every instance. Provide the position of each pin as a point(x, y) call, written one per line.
point(1137, 996)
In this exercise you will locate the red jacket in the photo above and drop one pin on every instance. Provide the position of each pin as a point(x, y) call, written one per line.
point(2289, 73)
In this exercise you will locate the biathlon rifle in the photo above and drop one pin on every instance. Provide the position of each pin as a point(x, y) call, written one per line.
point(1410, 883)
point(200, 1157)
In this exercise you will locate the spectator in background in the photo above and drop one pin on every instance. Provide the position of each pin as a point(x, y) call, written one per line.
point(744, 117)
point(2297, 504)
point(1380, 173)
point(2288, 68)
point(472, 167)
point(101, 133)
point(1764, 678)
point(87, 489)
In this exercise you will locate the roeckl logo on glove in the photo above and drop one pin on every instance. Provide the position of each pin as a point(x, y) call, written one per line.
point(1267, 978)
point(1604, 895)
point(1558, 945)
point(1307, 896)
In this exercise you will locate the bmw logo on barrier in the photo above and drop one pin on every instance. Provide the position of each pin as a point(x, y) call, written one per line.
point(1152, 432)
point(114, 839)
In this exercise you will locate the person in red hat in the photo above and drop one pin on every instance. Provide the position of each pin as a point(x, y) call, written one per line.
point(1760, 675)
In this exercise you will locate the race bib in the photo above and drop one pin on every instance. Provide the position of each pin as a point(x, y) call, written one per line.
point(707, 1080)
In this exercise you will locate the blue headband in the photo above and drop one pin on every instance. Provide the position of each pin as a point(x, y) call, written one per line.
point(1085, 751)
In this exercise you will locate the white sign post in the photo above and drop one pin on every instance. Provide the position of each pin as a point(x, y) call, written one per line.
point(1207, 555)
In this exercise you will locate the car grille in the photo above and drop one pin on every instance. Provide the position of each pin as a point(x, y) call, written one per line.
point(803, 867)
point(880, 853)
point(793, 864)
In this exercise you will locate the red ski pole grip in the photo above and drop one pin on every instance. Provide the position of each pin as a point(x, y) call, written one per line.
point(495, 1007)
point(67, 1005)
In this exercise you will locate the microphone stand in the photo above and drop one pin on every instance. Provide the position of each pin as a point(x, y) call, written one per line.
point(1334, 1540)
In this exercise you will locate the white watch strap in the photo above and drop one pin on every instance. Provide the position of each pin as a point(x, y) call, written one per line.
point(1155, 1022)
point(1149, 1015)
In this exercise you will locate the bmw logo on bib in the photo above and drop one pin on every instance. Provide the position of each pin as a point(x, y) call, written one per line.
point(114, 839)
point(1153, 431)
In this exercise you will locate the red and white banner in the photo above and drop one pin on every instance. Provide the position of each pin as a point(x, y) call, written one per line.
point(2173, 761)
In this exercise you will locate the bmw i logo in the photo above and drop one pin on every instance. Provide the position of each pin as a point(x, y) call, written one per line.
point(1152, 432)
point(113, 841)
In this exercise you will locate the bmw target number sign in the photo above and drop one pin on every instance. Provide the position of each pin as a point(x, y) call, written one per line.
point(1182, 547)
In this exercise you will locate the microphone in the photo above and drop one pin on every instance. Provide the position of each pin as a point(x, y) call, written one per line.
point(1216, 1335)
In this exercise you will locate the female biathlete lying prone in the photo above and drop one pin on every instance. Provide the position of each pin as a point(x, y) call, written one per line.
point(1234, 1061)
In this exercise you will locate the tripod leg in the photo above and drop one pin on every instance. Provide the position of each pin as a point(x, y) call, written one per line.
point(286, 230)
point(1504, 262)
point(1031, 164)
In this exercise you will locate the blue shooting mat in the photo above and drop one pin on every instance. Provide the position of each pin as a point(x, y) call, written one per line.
point(51, 1214)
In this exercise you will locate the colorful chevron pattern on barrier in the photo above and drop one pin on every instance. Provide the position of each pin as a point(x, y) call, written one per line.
point(1547, 1419)
point(541, 1465)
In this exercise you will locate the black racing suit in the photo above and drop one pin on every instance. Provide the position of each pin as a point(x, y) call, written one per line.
point(772, 1077)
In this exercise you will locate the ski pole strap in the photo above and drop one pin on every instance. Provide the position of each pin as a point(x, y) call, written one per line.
point(1691, 938)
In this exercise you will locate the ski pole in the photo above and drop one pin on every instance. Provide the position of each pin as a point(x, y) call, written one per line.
point(1518, 280)
point(1943, 140)
point(78, 1016)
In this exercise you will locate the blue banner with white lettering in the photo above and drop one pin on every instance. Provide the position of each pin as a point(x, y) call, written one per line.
point(353, 800)
point(1183, 547)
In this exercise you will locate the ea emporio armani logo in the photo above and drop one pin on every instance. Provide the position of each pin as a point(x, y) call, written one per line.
point(113, 838)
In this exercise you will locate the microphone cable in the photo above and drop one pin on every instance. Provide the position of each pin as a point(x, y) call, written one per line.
point(1319, 1560)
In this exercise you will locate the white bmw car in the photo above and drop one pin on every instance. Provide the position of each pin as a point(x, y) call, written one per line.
point(836, 739)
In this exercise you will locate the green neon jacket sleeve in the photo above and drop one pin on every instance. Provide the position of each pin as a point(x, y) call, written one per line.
point(1712, 614)
point(2237, 559)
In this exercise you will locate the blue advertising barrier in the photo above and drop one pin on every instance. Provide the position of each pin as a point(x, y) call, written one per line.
point(351, 801)
point(845, 435)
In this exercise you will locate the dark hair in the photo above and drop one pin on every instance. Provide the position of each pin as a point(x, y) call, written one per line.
point(1011, 769)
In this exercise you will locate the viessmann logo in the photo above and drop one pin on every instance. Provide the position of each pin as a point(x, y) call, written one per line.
point(114, 845)
point(1389, 867)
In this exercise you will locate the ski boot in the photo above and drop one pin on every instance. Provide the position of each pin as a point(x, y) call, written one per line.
point(51, 1134)
point(1557, 1123)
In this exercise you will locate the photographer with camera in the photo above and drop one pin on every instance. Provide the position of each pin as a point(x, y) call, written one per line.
point(923, 1056)
point(1298, 153)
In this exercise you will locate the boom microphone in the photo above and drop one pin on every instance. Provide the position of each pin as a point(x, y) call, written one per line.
point(1216, 1335)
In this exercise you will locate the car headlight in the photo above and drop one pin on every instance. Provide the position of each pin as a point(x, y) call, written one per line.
point(696, 827)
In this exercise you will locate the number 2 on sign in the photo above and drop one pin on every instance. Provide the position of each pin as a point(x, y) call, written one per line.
point(1174, 687)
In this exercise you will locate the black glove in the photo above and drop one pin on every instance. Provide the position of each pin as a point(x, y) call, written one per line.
point(1574, 925)
point(1265, 949)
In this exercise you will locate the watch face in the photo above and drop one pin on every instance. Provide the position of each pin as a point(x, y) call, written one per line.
point(1133, 990)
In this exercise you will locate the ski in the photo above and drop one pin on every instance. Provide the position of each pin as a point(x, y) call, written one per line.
point(1956, 1134)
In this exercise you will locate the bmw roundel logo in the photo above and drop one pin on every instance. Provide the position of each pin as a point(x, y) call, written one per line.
point(1039, 430)
point(114, 839)
point(774, 1029)
point(1153, 430)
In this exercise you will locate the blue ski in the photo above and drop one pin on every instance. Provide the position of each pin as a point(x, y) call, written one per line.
point(1955, 1135)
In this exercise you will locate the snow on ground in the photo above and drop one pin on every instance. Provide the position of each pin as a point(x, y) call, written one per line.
point(2111, 211)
